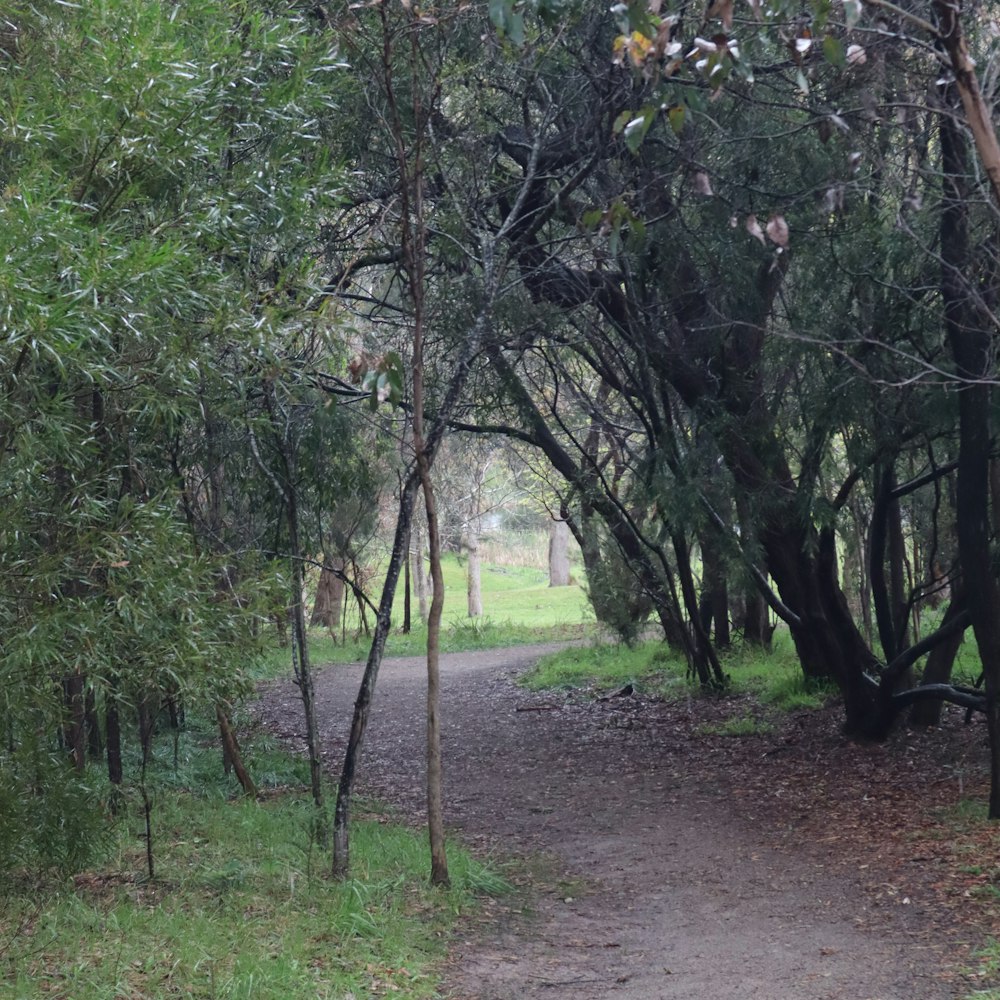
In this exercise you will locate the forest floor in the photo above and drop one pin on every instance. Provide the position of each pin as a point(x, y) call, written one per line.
point(673, 861)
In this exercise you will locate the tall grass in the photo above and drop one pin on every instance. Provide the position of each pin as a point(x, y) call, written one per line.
point(241, 905)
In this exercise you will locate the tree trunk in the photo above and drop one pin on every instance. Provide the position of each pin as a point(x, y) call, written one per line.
point(886, 548)
point(435, 806)
point(970, 342)
point(559, 536)
point(703, 658)
point(939, 664)
point(329, 597)
point(113, 736)
point(95, 747)
point(407, 596)
point(286, 486)
point(232, 753)
point(473, 571)
point(362, 705)
point(76, 720)
point(421, 583)
point(715, 593)
point(757, 630)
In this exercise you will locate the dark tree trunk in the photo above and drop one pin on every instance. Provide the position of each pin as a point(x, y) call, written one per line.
point(971, 343)
point(757, 629)
point(703, 658)
point(887, 549)
point(407, 597)
point(362, 705)
point(715, 593)
point(95, 746)
point(113, 735)
point(940, 663)
point(76, 720)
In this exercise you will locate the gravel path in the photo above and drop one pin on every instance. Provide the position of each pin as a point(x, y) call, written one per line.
point(670, 887)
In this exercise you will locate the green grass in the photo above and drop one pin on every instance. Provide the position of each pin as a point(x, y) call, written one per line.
point(738, 725)
point(650, 666)
point(987, 968)
point(240, 906)
point(775, 678)
point(518, 604)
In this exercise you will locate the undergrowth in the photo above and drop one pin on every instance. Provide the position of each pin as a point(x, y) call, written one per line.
point(774, 677)
point(241, 905)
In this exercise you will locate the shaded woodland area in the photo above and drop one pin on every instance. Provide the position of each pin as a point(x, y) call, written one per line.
point(724, 280)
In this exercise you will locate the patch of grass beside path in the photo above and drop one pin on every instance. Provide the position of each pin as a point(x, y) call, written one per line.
point(241, 906)
point(775, 677)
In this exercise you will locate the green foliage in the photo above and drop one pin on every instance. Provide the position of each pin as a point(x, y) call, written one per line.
point(987, 968)
point(617, 597)
point(160, 175)
point(50, 817)
point(243, 906)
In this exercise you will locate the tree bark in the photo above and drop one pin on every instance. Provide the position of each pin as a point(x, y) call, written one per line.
point(940, 663)
point(233, 754)
point(286, 486)
point(559, 535)
point(715, 593)
point(473, 572)
point(435, 804)
point(421, 583)
point(76, 720)
point(329, 597)
point(970, 344)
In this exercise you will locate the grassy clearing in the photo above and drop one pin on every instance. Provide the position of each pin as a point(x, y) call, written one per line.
point(775, 678)
point(519, 607)
point(240, 906)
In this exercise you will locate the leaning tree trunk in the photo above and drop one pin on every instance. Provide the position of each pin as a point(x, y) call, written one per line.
point(362, 705)
point(232, 754)
point(971, 342)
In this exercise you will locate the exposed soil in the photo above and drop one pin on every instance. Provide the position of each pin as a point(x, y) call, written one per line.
point(681, 863)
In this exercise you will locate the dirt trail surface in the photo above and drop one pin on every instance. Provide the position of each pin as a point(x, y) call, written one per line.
point(674, 881)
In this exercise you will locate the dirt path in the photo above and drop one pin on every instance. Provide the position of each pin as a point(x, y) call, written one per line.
point(673, 886)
